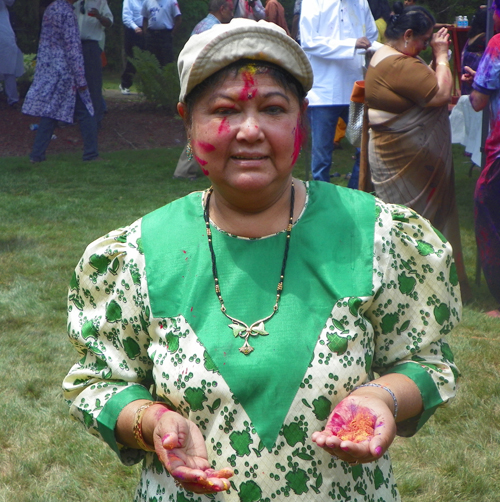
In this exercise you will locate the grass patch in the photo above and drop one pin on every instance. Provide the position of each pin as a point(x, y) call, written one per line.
point(48, 215)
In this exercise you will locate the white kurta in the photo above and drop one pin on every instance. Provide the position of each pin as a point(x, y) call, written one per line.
point(11, 58)
point(328, 33)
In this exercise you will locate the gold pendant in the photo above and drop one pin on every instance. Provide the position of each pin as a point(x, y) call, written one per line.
point(244, 331)
point(246, 348)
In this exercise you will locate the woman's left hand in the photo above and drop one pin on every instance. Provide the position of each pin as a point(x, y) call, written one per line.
point(369, 409)
point(440, 43)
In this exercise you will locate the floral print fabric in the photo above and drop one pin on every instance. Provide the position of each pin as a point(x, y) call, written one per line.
point(398, 328)
point(59, 67)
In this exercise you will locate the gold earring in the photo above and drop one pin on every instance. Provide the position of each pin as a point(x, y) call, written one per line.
point(189, 150)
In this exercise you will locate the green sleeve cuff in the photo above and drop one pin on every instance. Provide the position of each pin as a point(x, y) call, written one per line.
point(428, 390)
point(106, 421)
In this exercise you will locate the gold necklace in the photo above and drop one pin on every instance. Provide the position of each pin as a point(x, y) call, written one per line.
point(240, 328)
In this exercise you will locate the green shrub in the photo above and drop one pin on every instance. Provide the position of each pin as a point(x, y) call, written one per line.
point(159, 85)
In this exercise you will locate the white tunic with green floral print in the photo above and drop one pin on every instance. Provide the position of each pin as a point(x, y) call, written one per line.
point(369, 288)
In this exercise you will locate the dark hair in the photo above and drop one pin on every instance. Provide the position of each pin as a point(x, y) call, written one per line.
point(281, 76)
point(415, 18)
point(478, 23)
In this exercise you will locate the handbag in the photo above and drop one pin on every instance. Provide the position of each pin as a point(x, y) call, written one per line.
point(354, 129)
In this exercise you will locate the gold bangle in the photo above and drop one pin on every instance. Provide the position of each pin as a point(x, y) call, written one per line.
point(442, 63)
point(138, 425)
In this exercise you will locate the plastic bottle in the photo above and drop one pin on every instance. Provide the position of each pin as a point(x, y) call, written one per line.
point(460, 23)
point(466, 22)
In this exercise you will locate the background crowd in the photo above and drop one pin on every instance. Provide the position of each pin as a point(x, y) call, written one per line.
point(405, 158)
point(339, 40)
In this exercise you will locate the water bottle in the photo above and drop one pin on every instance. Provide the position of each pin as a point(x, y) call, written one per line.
point(460, 23)
point(33, 127)
point(466, 22)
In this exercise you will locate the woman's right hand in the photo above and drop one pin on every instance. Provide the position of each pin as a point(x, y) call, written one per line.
point(440, 43)
point(181, 448)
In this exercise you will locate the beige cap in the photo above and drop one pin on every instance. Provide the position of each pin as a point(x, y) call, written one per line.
point(208, 52)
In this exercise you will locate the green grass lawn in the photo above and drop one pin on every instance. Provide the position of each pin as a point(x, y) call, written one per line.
point(51, 211)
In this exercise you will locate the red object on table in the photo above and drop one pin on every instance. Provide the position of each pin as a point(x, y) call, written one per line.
point(459, 38)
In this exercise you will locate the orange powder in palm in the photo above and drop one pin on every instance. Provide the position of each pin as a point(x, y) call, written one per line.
point(359, 429)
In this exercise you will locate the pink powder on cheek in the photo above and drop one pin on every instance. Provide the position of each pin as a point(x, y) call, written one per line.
point(297, 142)
point(224, 127)
point(205, 171)
point(206, 147)
point(200, 161)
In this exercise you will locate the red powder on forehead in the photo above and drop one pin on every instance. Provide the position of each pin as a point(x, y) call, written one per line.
point(206, 147)
point(224, 126)
point(352, 423)
point(200, 161)
point(249, 90)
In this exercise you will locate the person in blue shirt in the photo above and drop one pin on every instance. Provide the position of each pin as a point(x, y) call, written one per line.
point(133, 37)
point(219, 11)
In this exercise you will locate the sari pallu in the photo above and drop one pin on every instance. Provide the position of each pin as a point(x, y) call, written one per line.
point(409, 162)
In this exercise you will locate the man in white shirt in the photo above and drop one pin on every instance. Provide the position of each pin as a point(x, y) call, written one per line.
point(161, 20)
point(93, 17)
point(132, 37)
point(334, 34)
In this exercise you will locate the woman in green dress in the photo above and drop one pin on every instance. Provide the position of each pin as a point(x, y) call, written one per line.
point(266, 338)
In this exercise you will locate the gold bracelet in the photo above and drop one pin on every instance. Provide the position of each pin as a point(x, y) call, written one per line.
point(138, 425)
point(444, 64)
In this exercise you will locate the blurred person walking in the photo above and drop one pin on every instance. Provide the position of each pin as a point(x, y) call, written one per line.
point(93, 17)
point(59, 91)
point(11, 58)
point(133, 36)
point(162, 19)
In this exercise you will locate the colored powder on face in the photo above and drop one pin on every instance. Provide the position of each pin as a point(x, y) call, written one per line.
point(224, 127)
point(206, 147)
point(297, 142)
point(249, 90)
point(360, 428)
point(200, 161)
point(205, 171)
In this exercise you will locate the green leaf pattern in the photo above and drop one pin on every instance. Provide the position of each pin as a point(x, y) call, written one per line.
point(413, 304)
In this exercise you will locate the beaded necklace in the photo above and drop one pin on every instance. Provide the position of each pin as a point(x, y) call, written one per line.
point(240, 328)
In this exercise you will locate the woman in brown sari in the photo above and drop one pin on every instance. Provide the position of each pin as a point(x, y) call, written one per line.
point(409, 148)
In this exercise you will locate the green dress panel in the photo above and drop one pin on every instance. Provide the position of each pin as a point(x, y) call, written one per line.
point(369, 287)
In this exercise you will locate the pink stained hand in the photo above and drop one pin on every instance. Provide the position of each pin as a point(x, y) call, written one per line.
point(181, 448)
point(360, 429)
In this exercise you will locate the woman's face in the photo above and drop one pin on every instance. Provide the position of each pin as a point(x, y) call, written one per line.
point(247, 134)
point(418, 43)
